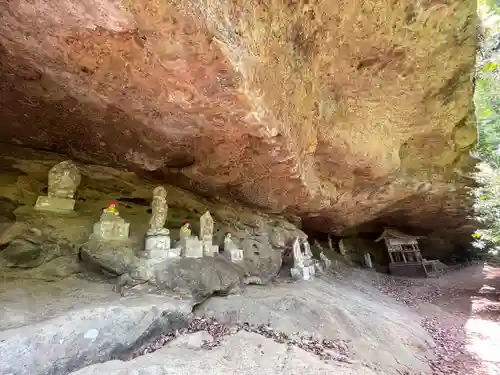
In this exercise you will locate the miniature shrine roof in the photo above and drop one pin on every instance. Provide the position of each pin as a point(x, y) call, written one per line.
point(395, 234)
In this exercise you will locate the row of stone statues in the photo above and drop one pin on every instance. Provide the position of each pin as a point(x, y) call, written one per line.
point(304, 265)
point(64, 179)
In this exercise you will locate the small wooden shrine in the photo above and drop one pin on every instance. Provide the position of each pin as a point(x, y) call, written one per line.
point(405, 256)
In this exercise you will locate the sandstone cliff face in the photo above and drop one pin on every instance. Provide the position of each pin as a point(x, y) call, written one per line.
point(351, 114)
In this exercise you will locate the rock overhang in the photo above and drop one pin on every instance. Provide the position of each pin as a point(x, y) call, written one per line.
point(342, 114)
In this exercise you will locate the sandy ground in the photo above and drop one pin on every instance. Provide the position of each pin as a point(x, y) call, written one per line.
point(461, 311)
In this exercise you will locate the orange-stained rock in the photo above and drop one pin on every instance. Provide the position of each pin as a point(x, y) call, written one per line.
point(349, 114)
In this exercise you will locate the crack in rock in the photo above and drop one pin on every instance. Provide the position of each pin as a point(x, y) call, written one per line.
point(326, 349)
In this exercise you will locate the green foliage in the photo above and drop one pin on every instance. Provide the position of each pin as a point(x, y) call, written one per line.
point(487, 103)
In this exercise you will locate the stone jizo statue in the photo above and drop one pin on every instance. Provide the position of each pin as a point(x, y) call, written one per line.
point(298, 258)
point(207, 235)
point(228, 242)
point(111, 209)
point(185, 231)
point(206, 227)
point(307, 250)
point(160, 210)
point(111, 226)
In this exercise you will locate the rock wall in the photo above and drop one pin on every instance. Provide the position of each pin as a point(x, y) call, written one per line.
point(38, 245)
point(348, 114)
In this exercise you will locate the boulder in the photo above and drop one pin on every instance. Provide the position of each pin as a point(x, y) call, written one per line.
point(88, 326)
point(196, 277)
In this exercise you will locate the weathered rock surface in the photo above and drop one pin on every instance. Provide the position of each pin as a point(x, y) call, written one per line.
point(93, 324)
point(197, 278)
point(244, 353)
point(47, 246)
point(391, 339)
point(50, 335)
point(344, 113)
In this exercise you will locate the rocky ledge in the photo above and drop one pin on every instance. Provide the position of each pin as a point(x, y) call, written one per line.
point(351, 115)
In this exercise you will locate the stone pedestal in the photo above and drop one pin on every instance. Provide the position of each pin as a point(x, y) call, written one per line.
point(234, 255)
point(192, 247)
point(54, 204)
point(111, 227)
point(210, 250)
point(158, 242)
point(301, 273)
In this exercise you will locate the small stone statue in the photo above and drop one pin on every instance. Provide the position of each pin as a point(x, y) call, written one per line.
point(303, 267)
point(157, 246)
point(298, 258)
point(190, 246)
point(228, 242)
point(111, 209)
point(185, 231)
point(64, 179)
point(207, 235)
point(307, 250)
point(111, 226)
point(160, 209)
point(206, 227)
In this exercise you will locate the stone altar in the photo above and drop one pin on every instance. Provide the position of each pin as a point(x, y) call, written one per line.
point(231, 251)
point(111, 226)
point(63, 181)
point(207, 235)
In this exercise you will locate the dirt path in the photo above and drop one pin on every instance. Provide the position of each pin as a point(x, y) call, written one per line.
point(461, 310)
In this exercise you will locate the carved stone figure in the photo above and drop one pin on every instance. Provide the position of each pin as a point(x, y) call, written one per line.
point(185, 231)
point(300, 270)
point(207, 235)
point(298, 258)
point(228, 242)
point(111, 226)
point(63, 180)
point(206, 227)
point(157, 246)
point(159, 212)
point(111, 209)
point(307, 250)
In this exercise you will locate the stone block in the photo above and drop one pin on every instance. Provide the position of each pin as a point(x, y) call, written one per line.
point(193, 247)
point(301, 273)
point(235, 255)
point(210, 250)
point(157, 242)
point(111, 228)
point(54, 204)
